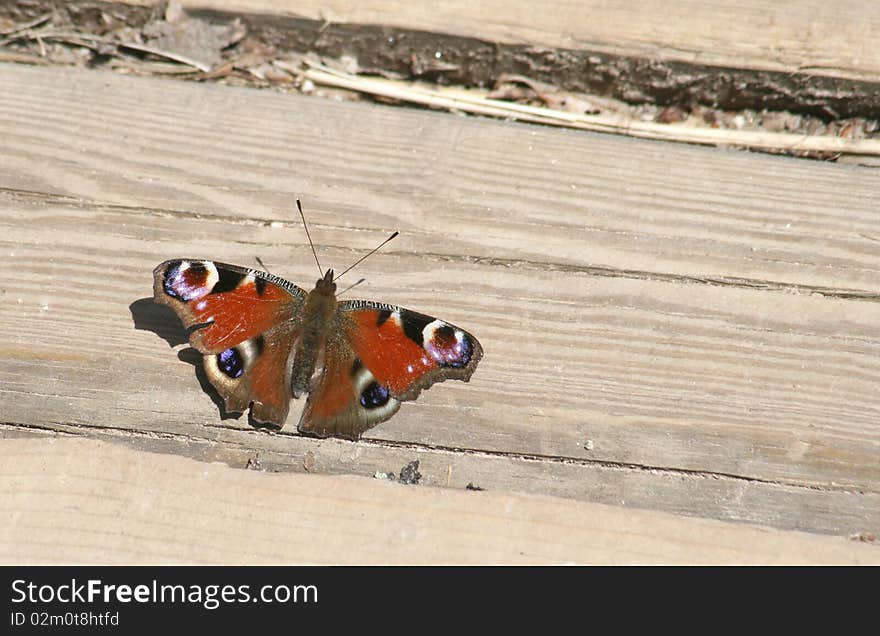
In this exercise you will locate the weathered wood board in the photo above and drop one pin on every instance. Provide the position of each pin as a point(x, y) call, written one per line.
point(666, 327)
point(82, 501)
point(811, 36)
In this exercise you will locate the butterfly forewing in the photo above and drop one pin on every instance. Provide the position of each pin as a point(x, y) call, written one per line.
point(380, 356)
point(244, 322)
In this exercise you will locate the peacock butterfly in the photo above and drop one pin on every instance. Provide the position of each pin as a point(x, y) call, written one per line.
point(264, 341)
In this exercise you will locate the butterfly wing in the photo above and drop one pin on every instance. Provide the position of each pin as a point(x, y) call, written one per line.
point(244, 322)
point(378, 357)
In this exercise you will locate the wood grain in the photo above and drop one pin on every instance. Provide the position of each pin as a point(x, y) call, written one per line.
point(812, 36)
point(666, 327)
point(113, 505)
point(600, 204)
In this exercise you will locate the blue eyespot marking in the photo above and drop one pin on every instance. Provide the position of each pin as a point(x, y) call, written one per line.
point(374, 396)
point(450, 348)
point(187, 281)
point(230, 363)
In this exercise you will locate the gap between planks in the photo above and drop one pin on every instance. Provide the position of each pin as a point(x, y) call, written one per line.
point(73, 430)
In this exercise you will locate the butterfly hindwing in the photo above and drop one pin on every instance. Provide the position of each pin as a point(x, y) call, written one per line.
point(379, 356)
point(245, 324)
point(346, 400)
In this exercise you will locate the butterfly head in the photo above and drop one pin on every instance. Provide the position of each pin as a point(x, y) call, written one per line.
point(326, 284)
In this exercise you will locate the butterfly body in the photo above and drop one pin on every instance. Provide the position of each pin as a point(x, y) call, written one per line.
point(319, 310)
point(265, 341)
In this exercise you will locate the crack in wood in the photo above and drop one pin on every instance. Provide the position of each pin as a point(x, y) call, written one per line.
point(112, 431)
point(84, 430)
point(614, 465)
point(666, 74)
point(717, 281)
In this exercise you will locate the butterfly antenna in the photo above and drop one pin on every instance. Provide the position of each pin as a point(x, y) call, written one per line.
point(350, 287)
point(309, 236)
point(365, 256)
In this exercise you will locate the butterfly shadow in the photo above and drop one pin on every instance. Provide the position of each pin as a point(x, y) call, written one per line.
point(162, 321)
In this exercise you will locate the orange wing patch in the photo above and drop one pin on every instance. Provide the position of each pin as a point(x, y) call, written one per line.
point(238, 315)
point(335, 392)
point(394, 359)
point(233, 303)
point(268, 376)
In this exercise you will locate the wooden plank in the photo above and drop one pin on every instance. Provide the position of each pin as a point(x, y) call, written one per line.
point(654, 359)
point(820, 38)
point(600, 204)
point(626, 378)
point(113, 505)
point(816, 509)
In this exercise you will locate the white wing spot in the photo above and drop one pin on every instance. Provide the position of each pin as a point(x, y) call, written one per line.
point(213, 275)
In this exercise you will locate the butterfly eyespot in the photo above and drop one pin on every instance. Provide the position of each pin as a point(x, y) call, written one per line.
point(188, 281)
point(448, 346)
point(374, 396)
point(230, 362)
